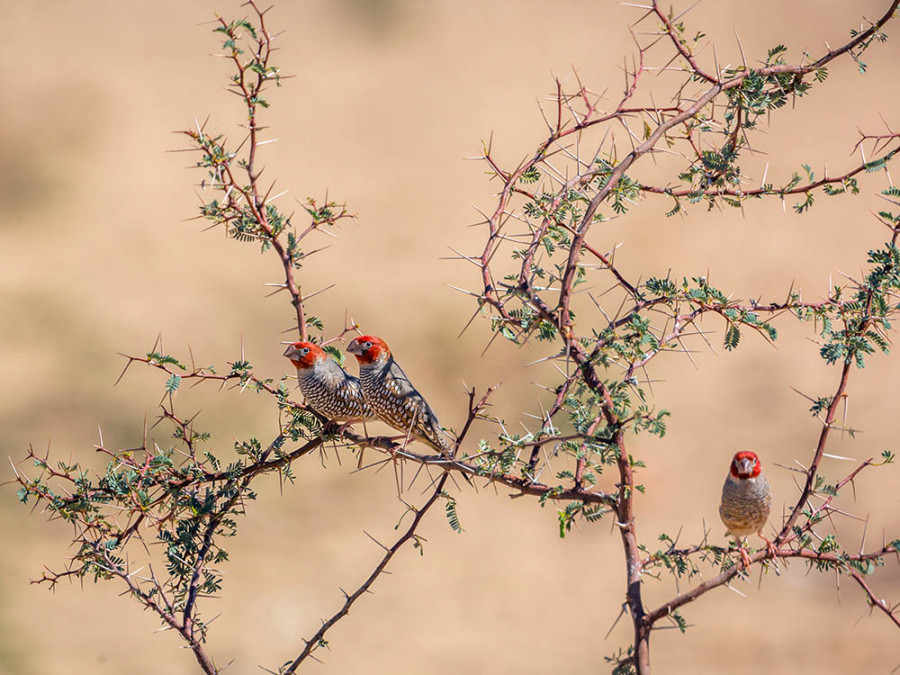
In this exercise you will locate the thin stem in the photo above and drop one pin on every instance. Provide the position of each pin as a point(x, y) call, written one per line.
point(317, 640)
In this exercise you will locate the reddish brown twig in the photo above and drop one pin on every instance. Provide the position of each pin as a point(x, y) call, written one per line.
point(317, 640)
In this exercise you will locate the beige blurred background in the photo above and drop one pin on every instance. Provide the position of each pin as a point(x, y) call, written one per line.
point(96, 258)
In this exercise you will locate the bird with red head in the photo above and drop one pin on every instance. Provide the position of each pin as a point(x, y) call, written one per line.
point(327, 388)
point(393, 397)
point(746, 500)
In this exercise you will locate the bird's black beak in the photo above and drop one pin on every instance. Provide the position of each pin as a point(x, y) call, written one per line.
point(354, 347)
point(290, 351)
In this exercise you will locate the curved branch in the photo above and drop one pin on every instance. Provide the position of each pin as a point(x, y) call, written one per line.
point(729, 574)
point(317, 640)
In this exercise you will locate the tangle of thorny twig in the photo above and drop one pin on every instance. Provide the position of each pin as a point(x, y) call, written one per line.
point(176, 501)
point(184, 496)
point(544, 244)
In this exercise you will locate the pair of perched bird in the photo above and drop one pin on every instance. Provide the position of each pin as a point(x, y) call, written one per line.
point(384, 391)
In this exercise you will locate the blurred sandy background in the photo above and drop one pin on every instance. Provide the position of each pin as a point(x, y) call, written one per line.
point(388, 98)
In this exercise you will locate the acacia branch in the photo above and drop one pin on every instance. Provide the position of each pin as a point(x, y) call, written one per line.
point(572, 207)
point(779, 192)
point(255, 201)
point(724, 577)
point(184, 629)
point(317, 640)
point(673, 33)
point(874, 601)
point(830, 416)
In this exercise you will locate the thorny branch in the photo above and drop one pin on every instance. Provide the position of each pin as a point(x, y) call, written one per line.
point(546, 228)
point(187, 497)
point(246, 210)
point(484, 465)
point(318, 640)
point(157, 488)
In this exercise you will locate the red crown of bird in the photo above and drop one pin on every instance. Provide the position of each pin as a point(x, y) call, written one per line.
point(367, 348)
point(745, 465)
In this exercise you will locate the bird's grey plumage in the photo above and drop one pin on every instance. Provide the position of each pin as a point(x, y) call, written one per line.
point(328, 388)
point(393, 397)
point(395, 400)
point(746, 503)
point(332, 392)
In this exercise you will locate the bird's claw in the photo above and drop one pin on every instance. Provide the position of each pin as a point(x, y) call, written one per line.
point(771, 551)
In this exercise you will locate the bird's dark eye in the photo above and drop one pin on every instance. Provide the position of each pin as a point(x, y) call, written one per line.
point(304, 351)
point(368, 345)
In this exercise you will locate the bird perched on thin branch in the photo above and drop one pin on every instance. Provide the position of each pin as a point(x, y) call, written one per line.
point(746, 501)
point(327, 388)
point(392, 396)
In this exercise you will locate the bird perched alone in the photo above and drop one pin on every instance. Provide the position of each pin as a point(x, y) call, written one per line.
point(327, 388)
point(392, 396)
point(746, 501)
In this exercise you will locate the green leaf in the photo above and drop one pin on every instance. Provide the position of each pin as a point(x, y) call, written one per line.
point(452, 516)
point(732, 336)
point(805, 204)
point(865, 567)
point(315, 322)
point(156, 358)
point(531, 175)
point(172, 384)
point(336, 353)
